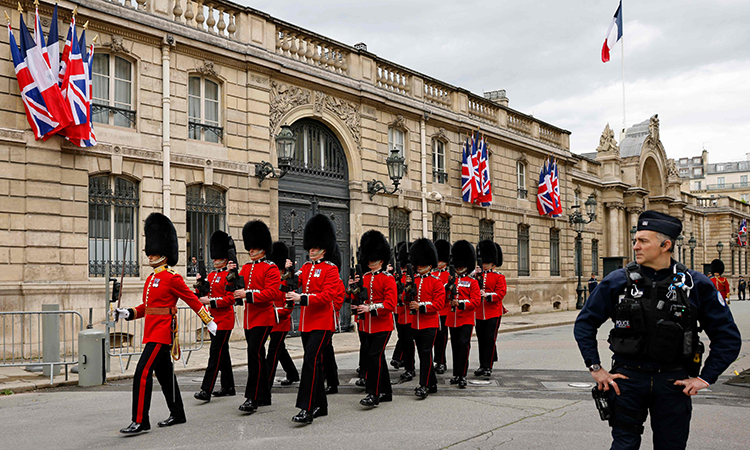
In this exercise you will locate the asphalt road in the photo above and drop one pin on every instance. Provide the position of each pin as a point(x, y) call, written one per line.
point(528, 403)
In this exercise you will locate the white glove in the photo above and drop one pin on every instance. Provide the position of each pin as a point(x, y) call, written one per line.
point(121, 312)
point(212, 327)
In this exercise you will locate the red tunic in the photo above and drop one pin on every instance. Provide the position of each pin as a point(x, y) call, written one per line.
point(468, 295)
point(262, 279)
point(443, 275)
point(285, 315)
point(162, 290)
point(381, 290)
point(322, 295)
point(402, 312)
point(222, 302)
point(722, 285)
point(495, 289)
point(431, 298)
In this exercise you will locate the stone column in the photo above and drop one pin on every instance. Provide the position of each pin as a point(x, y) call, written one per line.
point(614, 238)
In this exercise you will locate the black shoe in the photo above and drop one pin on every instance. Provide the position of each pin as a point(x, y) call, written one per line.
point(479, 372)
point(319, 412)
point(135, 428)
point(440, 369)
point(454, 380)
point(264, 402)
point(420, 392)
point(432, 389)
point(249, 406)
point(203, 395)
point(396, 364)
point(407, 376)
point(224, 392)
point(385, 397)
point(371, 401)
point(332, 390)
point(287, 381)
point(303, 417)
point(462, 383)
point(360, 382)
point(487, 373)
point(172, 420)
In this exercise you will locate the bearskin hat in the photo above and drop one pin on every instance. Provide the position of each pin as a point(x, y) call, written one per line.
point(161, 238)
point(255, 234)
point(279, 254)
point(499, 260)
point(717, 266)
point(334, 255)
point(402, 253)
point(320, 233)
point(374, 247)
point(219, 245)
point(487, 251)
point(423, 253)
point(443, 250)
point(464, 255)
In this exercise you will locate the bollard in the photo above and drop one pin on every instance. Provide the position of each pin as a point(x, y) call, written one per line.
point(51, 339)
point(91, 368)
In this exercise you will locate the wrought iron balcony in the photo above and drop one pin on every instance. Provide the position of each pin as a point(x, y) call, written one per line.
point(112, 110)
point(195, 128)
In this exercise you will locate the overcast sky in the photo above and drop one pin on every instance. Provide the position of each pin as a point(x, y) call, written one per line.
point(686, 60)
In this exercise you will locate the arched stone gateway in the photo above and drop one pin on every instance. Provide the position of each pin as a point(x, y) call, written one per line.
point(652, 178)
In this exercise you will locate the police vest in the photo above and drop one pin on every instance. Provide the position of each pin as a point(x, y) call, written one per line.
point(654, 320)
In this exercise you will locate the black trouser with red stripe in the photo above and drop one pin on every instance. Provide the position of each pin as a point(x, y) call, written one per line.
point(425, 340)
point(441, 341)
point(373, 350)
point(219, 361)
point(486, 337)
point(257, 371)
point(156, 359)
point(363, 348)
point(311, 393)
point(404, 350)
point(461, 345)
point(330, 368)
point(277, 353)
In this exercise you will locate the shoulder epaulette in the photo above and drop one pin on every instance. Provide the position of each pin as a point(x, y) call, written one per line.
point(172, 271)
point(307, 262)
point(329, 262)
point(435, 277)
point(387, 273)
point(268, 261)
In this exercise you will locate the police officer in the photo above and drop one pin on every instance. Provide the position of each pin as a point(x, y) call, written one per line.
point(654, 303)
point(160, 294)
point(592, 283)
point(441, 271)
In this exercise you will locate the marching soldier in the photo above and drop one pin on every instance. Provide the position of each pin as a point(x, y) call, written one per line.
point(262, 282)
point(376, 325)
point(160, 294)
point(330, 368)
point(321, 288)
point(430, 298)
point(277, 352)
point(221, 304)
point(441, 340)
point(461, 315)
point(721, 283)
point(403, 353)
point(490, 310)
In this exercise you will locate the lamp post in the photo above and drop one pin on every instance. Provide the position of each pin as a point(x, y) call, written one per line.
point(396, 170)
point(632, 238)
point(680, 241)
point(285, 142)
point(692, 243)
point(578, 223)
point(719, 248)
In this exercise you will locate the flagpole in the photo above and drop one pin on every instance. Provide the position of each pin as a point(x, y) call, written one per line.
point(622, 58)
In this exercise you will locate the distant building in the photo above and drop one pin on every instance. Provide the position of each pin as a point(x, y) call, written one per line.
point(718, 179)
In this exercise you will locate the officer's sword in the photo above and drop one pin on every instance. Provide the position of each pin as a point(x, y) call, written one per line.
point(124, 258)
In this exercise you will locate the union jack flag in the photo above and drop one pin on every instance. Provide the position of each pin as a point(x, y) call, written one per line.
point(75, 89)
point(545, 202)
point(469, 184)
point(485, 195)
point(86, 129)
point(742, 232)
point(554, 178)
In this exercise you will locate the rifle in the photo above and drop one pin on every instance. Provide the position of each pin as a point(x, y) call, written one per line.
point(410, 289)
point(451, 290)
point(479, 276)
point(122, 275)
point(358, 289)
point(290, 276)
point(234, 280)
point(202, 285)
point(398, 274)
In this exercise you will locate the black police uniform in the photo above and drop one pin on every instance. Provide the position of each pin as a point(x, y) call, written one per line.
point(650, 385)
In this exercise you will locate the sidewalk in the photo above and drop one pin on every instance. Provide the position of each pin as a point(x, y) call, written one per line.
point(16, 379)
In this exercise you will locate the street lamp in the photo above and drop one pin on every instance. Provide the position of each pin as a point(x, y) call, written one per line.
point(632, 239)
point(396, 170)
point(680, 241)
point(285, 142)
point(578, 223)
point(692, 243)
point(719, 248)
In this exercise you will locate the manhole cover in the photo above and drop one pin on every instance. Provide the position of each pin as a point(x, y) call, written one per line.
point(480, 382)
point(581, 385)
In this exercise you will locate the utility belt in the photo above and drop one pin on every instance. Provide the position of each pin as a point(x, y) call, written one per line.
point(169, 311)
point(646, 369)
point(154, 311)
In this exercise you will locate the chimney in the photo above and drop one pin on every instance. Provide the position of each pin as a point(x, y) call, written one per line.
point(497, 96)
point(361, 46)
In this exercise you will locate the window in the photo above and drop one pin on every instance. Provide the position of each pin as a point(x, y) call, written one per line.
point(486, 230)
point(113, 221)
point(441, 227)
point(554, 252)
point(719, 168)
point(112, 90)
point(697, 185)
point(594, 256)
point(579, 257)
point(521, 179)
point(577, 196)
point(684, 172)
point(720, 181)
point(745, 197)
point(398, 226)
point(206, 210)
point(203, 110)
point(697, 171)
point(439, 175)
point(523, 251)
point(743, 180)
point(697, 160)
point(396, 140)
point(683, 161)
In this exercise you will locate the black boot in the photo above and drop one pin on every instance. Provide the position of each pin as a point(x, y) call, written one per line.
point(249, 406)
point(224, 392)
point(440, 369)
point(371, 400)
point(135, 428)
point(303, 417)
point(319, 412)
point(420, 392)
point(360, 382)
point(385, 397)
point(454, 380)
point(462, 382)
point(203, 395)
point(172, 420)
point(396, 364)
point(332, 390)
point(407, 376)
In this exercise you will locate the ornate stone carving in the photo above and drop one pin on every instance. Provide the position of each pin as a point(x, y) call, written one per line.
point(636, 210)
point(207, 69)
point(398, 122)
point(349, 113)
point(653, 127)
point(441, 135)
point(319, 103)
point(672, 169)
point(607, 142)
point(283, 98)
point(116, 45)
point(615, 205)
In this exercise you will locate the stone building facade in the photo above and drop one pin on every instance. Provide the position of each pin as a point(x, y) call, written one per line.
point(189, 98)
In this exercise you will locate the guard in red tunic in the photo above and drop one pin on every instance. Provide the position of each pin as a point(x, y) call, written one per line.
point(721, 283)
point(277, 352)
point(441, 340)
point(262, 282)
point(321, 288)
point(330, 367)
point(430, 299)
point(403, 353)
point(221, 304)
point(489, 312)
point(160, 294)
point(376, 323)
point(461, 316)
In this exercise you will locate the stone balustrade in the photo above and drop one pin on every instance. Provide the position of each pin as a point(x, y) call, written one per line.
point(215, 18)
point(392, 79)
point(519, 123)
point(438, 95)
point(311, 50)
point(133, 4)
point(481, 109)
point(550, 135)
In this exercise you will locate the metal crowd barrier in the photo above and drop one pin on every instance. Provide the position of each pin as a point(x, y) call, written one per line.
point(28, 331)
point(126, 337)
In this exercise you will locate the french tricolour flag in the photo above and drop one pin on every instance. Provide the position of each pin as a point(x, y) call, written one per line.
point(614, 33)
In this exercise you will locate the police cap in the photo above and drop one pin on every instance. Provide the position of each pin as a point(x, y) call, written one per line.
point(660, 222)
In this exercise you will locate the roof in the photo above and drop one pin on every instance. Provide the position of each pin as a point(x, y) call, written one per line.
point(635, 136)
